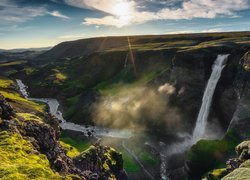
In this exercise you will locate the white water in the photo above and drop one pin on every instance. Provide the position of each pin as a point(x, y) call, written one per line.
point(54, 110)
point(201, 122)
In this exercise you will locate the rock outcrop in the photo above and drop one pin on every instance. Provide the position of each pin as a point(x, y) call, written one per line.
point(6, 111)
point(236, 168)
point(45, 141)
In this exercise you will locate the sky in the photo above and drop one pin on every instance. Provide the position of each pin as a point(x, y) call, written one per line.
point(43, 23)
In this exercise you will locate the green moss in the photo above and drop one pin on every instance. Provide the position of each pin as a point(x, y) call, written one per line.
point(28, 71)
point(217, 174)
point(20, 161)
point(130, 165)
point(5, 83)
point(206, 155)
point(79, 145)
point(29, 117)
point(148, 158)
point(60, 76)
point(71, 151)
point(15, 97)
point(209, 154)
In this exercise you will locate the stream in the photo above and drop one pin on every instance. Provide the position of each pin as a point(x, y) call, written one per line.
point(54, 110)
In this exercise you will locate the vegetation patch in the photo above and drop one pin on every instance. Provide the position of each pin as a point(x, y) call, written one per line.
point(5, 83)
point(71, 151)
point(217, 174)
point(20, 161)
point(79, 145)
point(148, 158)
point(29, 117)
point(126, 80)
point(15, 97)
point(12, 63)
point(130, 165)
point(206, 155)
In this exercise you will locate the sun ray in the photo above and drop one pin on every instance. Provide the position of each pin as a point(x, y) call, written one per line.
point(131, 54)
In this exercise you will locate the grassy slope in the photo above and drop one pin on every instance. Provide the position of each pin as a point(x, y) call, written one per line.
point(7, 89)
point(19, 160)
point(206, 155)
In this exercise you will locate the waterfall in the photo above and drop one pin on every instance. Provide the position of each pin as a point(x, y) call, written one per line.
point(201, 122)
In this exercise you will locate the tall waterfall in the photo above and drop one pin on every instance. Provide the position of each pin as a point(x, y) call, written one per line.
point(201, 122)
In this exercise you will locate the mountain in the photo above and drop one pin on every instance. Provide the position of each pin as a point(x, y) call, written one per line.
point(24, 49)
point(85, 47)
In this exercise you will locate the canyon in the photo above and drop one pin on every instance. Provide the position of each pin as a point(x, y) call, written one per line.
point(169, 98)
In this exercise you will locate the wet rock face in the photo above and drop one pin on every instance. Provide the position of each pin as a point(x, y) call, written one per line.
point(225, 104)
point(6, 111)
point(241, 127)
point(189, 75)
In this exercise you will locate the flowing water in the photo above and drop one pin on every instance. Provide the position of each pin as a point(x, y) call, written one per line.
point(54, 110)
point(201, 122)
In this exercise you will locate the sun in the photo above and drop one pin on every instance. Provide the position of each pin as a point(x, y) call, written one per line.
point(122, 8)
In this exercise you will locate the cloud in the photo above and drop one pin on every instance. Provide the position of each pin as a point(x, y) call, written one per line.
point(12, 13)
point(181, 32)
point(188, 9)
point(213, 30)
point(106, 21)
point(72, 36)
point(58, 14)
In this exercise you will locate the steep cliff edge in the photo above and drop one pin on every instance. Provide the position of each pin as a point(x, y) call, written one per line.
point(30, 147)
point(209, 154)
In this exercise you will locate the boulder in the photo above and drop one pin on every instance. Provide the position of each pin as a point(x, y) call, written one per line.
point(243, 150)
point(6, 111)
point(245, 164)
point(238, 174)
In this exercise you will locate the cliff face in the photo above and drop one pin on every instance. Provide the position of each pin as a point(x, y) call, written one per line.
point(216, 153)
point(81, 82)
point(30, 145)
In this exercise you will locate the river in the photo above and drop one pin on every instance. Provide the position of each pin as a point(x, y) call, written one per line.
point(53, 105)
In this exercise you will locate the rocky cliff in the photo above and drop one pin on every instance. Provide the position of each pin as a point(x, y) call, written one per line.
point(30, 145)
point(206, 155)
point(236, 168)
